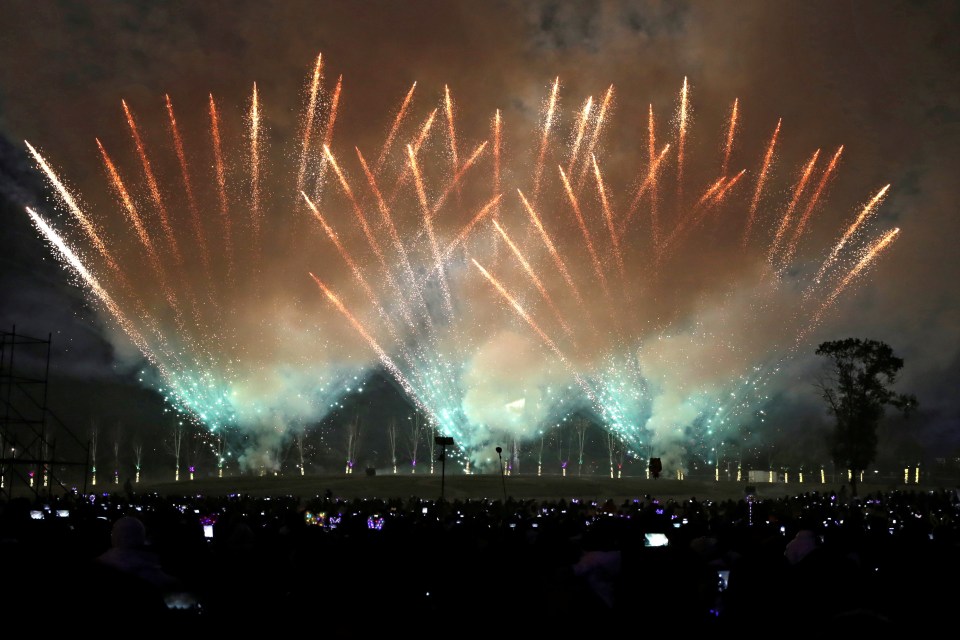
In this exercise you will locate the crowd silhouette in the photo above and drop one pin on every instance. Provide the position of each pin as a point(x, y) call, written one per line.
point(814, 563)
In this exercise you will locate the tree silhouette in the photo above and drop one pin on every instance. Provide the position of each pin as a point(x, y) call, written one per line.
point(857, 391)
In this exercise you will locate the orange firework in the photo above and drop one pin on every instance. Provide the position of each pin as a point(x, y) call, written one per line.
point(868, 209)
point(428, 225)
point(255, 164)
point(788, 214)
point(608, 216)
point(761, 180)
point(496, 152)
point(332, 117)
point(652, 185)
point(535, 279)
point(731, 135)
point(455, 182)
point(394, 128)
point(385, 359)
point(683, 118)
point(581, 129)
point(868, 257)
point(595, 136)
point(805, 217)
point(727, 187)
point(221, 184)
point(358, 212)
point(649, 183)
point(421, 138)
point(550, 247)
point(131, 210)
point(354, 268)
point(578, 214)
point(536, 328)
point(492, 204)
point(451, 131)
point(308, 120)
point(188, 189)
point(547, 122)
point(153, 186)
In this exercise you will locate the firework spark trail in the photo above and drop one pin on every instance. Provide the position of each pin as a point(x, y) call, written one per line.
point(608, 216)
point(718, 198)
point(491, 205)
point(385, 359)
point(497, 142)
point(595, 136)
point(649, 184)
point(544, 139)
point(794, 199)
point(868, 257)
point(221, 186)
point(405, 173)
point(695, 215)
point(354, 268)
point(391, 227)
point(255, 213)
point(428, 225)
point(868, 209)
point(388, 143)
point(153, 186)
point(134, 216)
point(805, 216)
point(581, 130)
point(451, 131)
point(328, 134)
point(308, 127)
point(550, 247)
point(358, 212)
point(535, 279)
point(652, 177)
point(761, 180)
point(682, 125)
point(597, 267)
point(455, 182)
point(536, 328)
point(71, 258)
point(195, 221)
point(85, 222)
point(731, 137)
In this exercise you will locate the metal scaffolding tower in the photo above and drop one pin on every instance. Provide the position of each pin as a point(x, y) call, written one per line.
point(30, 433)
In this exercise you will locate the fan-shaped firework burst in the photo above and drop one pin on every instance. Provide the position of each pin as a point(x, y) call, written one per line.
point(659, 294)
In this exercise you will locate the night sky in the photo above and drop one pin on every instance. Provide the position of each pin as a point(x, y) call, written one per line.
point(880, 78)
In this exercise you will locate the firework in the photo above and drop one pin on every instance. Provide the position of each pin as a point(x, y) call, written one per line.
point(420, 284)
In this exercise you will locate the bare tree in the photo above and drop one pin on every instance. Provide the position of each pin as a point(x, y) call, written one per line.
point(221, 445)
point(137, 458)
point(581, 426)
point(540, 457)
point(94, 436)
point(301, 438)
point(392, 437)
point(564, 459)
point(176, 445)
point(116, 453)
point(353, 440)
point(415, 436)
point(432, 443)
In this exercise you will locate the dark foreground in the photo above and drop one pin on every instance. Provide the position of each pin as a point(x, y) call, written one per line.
point(811, 563)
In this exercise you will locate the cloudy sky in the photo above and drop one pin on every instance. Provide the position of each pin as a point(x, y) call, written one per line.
point(880, 78)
